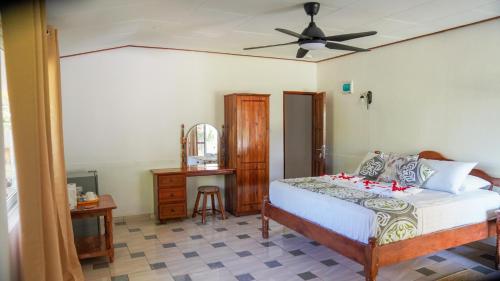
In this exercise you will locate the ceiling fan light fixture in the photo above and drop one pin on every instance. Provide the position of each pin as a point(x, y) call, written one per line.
point(312, 37)
point(313, 45)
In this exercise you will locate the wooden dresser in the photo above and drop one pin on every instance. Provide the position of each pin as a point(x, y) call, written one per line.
point(170, 194)
point(170, 189)
point(246, 118)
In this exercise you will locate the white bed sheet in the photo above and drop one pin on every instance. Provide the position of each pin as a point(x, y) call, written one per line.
point(436, 210)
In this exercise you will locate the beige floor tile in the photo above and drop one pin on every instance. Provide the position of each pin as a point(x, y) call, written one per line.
point(151, 275)
point(245, 265)
point(98, 279)
point(122, 252)
point(187, 266)
point(303, 264)
point(270, 253)
point(210, 251)
point(191, 245)
point(97, 274)
point(244, 244)
point(336, 272)
point(213, 275)
point(446, 267)
point(273, 273)
point(408, 274)
point(143, 245)
point(129, 266)
point(138, 269)
point(161, 253)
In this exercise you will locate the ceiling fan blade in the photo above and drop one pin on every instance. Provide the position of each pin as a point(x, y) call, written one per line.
point(292, 33)
point(267, 46)
point(301, 53)
point(337, 46)
point(349, 36)
point(284, 8)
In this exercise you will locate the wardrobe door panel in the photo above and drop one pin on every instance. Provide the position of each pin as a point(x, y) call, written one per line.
point(252, 130)
point(247, 126)
point(251, 185)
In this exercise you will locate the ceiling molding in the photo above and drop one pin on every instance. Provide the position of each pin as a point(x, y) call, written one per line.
point(416, 37)
point(277, 58)
point(93, 51)
point(182, 50)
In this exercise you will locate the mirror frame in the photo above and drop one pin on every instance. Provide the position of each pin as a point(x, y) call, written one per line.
point(220, 154)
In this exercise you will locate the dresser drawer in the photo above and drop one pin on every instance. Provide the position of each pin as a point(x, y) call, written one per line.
point(172, 181)
point(171, 194)
point(177, 210)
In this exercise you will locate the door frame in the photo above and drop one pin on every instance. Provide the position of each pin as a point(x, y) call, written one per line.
point(312, 94)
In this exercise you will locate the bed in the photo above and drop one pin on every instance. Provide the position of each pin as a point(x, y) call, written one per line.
point(445, 221)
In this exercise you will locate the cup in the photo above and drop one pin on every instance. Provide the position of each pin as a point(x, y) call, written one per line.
point(90, 195)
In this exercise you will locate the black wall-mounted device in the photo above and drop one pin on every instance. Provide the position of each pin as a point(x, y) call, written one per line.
point(369, 98)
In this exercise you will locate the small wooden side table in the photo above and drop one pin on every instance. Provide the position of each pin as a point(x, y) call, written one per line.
point(102, 244)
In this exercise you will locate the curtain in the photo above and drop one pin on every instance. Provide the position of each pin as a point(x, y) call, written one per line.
point(47, 249)
point(193, 142)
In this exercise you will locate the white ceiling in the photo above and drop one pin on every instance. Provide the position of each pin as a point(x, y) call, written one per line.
point(230, 25)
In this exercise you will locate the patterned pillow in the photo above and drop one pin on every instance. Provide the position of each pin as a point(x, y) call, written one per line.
point(367, 157)
point(372, 168)
point(393, 160)
point(414, 173)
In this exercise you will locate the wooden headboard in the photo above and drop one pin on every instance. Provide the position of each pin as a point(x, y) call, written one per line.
point(433, 155)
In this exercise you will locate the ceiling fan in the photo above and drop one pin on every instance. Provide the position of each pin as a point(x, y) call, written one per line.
point(313, 38)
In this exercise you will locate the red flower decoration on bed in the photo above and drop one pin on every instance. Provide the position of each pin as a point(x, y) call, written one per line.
point(342, 176)
point(345, 177)
point(396, 187)
point(369, 184)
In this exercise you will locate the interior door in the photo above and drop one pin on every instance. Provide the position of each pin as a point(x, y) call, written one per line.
point(319, 135)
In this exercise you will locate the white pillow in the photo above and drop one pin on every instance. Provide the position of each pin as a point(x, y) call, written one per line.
point(472, 183)
point(449, 175)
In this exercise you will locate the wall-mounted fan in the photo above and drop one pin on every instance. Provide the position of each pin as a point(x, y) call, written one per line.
point(313, 38)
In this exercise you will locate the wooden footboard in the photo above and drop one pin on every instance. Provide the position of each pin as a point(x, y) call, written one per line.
point(371, 255)
point(350, 248)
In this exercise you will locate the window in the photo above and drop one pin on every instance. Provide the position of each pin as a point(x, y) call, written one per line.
point(206, 136)
point(8, 149)
point(200, 137)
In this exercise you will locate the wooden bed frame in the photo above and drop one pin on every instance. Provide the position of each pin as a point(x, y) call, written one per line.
point(372, 255)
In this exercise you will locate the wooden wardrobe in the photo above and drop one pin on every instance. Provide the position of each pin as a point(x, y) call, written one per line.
point(246, 119)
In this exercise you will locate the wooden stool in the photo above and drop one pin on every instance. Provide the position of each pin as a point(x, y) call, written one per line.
point(212, 191)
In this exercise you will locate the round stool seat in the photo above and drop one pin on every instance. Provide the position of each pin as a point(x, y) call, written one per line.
point(208, 189)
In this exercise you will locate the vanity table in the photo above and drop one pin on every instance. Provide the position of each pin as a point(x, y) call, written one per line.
point(240, 151)
point(202, 154)
point(170, 188)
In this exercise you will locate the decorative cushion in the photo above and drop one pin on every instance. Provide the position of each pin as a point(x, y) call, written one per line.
point(413, 173)
point(472, 183)
point(372, 168)
point(367, 157)
point(391, 165)
point(449, 175)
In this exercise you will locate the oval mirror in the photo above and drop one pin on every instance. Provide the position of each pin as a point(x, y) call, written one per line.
point(202, 145)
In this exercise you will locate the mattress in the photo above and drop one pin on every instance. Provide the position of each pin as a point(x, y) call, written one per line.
point(436, 210)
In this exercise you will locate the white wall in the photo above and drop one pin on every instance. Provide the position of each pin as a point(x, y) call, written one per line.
point(440, 92)
point(123, 109)
point(298, 136)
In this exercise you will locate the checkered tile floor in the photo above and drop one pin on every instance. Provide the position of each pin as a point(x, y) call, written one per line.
point(233, 249)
